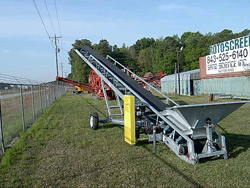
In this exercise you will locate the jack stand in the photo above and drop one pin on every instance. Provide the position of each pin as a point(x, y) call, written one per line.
point(154, 138)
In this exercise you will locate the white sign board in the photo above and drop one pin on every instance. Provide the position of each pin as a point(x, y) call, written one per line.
point(229, 56)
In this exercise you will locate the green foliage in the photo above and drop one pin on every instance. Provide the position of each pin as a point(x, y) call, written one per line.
point(154, 55)
point(79, 69)
point(11, 154)
point(145, 59)
point(104, 48)
point(40, 132)
point(143, 43)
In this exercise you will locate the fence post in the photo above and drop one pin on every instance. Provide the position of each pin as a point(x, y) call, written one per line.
point(22, 107)
point(55, 87)
point(1, 128)
point(54, 94)
point(60, 91)
point(50, 95)
point(40, 96)
point(33, 104)
point(44, 101)
point(45, 97)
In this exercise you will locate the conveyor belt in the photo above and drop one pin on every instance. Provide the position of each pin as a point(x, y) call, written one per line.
point(137, 88)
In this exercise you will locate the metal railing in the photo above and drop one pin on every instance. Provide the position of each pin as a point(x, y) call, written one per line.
point(21, 102)
point(136, 77)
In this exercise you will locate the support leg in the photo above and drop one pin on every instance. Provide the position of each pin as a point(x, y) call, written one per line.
point(106, 98)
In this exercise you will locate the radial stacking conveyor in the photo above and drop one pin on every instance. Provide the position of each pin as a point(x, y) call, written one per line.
point(188, 130)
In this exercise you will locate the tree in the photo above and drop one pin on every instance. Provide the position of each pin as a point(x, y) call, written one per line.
point(104, 48)
point(165, 55)
point(241, 34)
point(143, 43)
point(79, 69)
point(194, 47)
point(224, 35)
point(82, 42)
point(145, 60)
point(148, 54)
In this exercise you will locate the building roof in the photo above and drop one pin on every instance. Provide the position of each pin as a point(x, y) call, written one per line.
point(188, 75)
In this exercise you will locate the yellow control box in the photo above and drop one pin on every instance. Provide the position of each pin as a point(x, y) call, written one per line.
point(129, 119)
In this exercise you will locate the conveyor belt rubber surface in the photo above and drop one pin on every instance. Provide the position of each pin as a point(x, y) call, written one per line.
point(137, 88)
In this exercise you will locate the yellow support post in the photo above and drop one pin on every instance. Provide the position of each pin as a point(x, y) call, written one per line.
point(129, 119)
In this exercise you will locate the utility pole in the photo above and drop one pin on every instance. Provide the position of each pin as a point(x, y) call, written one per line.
point(57, 51)
point(175, 80)
point(55, 38)
point(178, 68)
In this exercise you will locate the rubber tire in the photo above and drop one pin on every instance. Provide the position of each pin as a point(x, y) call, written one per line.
point(94, 121)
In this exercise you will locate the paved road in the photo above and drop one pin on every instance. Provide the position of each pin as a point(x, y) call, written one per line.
point(15, 95)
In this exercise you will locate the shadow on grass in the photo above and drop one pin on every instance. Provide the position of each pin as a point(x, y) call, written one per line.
point(224, 130)
point(236, 143)
point(187, 178)
point(206, 160)
point(161, 98)
point(109, 126)
point(143, 143)
point(95, 107)
point(180, 102)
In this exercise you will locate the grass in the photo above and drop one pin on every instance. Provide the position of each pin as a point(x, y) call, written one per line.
point(12, 114)
point(60, 150)
point(11, 118)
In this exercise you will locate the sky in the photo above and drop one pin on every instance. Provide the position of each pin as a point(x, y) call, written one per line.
point(26, 51)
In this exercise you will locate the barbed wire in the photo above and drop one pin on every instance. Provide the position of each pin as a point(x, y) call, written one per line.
point(8, 79)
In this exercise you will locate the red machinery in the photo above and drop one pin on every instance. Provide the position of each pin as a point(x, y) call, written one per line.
point(154, 80)
point(96, 87)
point(83, 86)
point(93, 87)
point(95, 82)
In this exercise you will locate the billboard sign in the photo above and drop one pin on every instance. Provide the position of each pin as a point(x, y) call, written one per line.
point(229, 56)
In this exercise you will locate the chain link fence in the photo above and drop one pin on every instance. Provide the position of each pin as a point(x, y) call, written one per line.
point(21, 102)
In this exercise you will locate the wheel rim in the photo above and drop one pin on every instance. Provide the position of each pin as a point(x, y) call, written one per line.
point(91, 121)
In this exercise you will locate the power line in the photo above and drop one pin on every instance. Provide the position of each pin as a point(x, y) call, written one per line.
point(41, 20)
point(49, 17)
point(59, 26)
point(60, 31)
point(61, 41)
point(50, 38)
point(57, 18)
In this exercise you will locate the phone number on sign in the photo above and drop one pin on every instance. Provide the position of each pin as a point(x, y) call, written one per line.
point(227, 56)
